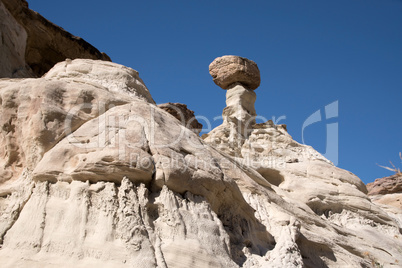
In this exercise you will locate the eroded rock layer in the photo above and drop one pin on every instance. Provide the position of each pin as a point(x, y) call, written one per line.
point(387, 192)
point(94, 174)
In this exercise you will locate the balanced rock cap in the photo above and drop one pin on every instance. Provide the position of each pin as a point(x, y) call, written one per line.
point(227, 70)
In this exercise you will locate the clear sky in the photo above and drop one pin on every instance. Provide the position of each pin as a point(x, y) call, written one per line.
point(311, 53)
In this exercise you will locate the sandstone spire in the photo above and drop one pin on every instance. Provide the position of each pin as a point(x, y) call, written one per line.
point(92, 173)
point(239, 76)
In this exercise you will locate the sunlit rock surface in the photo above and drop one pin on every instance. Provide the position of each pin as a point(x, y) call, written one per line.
point(94, 174)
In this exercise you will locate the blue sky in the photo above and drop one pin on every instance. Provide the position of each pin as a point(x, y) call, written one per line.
point(311, 53)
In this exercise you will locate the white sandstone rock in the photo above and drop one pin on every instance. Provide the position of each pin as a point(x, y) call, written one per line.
point(129, 186)
point(302, 176)
point(114, 77)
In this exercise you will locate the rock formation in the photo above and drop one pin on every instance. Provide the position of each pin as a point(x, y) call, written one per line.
point(183, 114)
point(228, 70)
point(94, 174)
point(386, 185)
point(296, 171)
point(387, 192)
point(12, 46)
point(31, 44)
point(239, 76)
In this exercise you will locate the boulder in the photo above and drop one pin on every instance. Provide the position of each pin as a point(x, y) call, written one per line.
point(387, 191)
point(227, 70)
point(386, 185)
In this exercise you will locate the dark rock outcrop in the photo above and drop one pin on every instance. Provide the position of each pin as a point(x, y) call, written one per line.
point(46, 43)
point(183, 114)
point(387, 185)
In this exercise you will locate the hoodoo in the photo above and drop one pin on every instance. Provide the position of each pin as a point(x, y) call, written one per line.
point(94, 174)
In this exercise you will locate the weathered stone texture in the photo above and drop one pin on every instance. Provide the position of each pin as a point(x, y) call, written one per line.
point(33, 45)
point(228, 70)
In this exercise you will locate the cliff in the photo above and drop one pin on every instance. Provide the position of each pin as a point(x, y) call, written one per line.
point(31, 44)
point(94, 174)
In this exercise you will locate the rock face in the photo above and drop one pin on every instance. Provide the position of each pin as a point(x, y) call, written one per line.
point(228, 70)
point(387, 191)
point(183, 114)
point(387, 185)
point(12, 47)
point(32, 45)
point(296, 171)
point(94, 174)
point(109, 183)
point(38, 113)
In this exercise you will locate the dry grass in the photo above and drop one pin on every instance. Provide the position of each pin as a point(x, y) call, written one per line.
point(394, 168)
point(372, 260)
